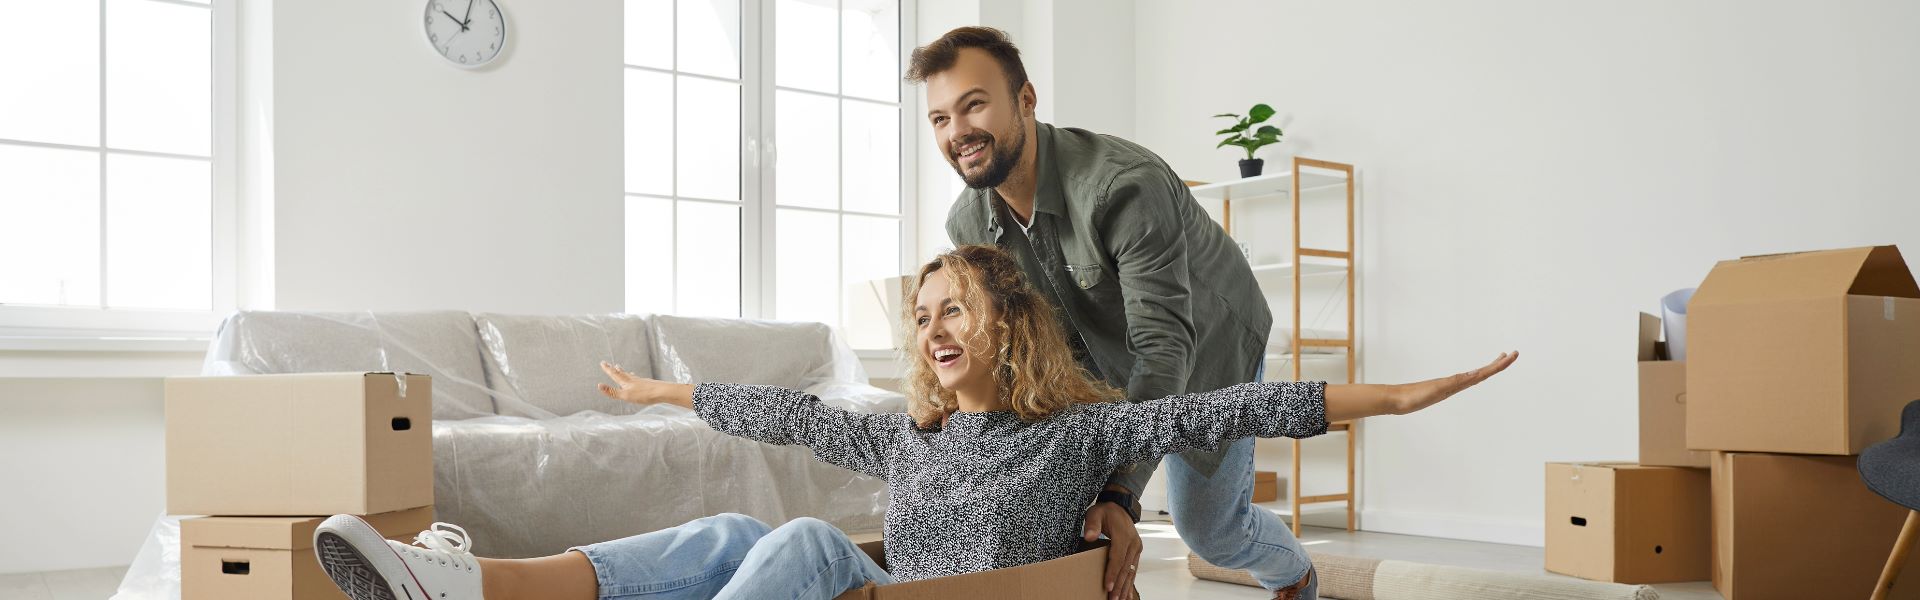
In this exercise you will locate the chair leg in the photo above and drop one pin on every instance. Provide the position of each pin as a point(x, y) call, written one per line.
point(1908, 533)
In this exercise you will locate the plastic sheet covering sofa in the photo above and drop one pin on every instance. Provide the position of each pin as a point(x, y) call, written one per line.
point(530, 458)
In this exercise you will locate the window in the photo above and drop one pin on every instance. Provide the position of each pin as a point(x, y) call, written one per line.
point(765, 173)
point(108, 160)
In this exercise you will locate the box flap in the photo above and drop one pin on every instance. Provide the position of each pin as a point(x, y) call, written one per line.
point(1875, 271)
point(1650, 338)
point(290, 533)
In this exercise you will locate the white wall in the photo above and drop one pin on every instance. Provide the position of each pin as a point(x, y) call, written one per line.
point(1535, 173)
point(404, 182)
point(83, 466)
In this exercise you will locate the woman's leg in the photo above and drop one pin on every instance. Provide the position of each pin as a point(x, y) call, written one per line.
point(1216, 517)
point(805, 558)
point(690, 561)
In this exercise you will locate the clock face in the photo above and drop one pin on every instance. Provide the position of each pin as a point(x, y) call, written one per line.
point(468, 32)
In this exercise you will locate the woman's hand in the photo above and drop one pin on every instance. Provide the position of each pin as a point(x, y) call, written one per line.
point(1415, 396)
point(640, 390)
point(1123, 555)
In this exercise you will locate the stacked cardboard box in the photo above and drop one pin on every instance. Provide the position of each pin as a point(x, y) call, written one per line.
point(1797, 362)
point(1643, 522)
point(273, 455)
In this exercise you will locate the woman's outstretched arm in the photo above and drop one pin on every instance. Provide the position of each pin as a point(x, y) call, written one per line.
point(1130, 433)
point(856, 441)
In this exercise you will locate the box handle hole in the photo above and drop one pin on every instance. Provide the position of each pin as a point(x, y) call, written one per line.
point(235, 567)
point(1579, 521)
point(402, 423)
point(1656, 549)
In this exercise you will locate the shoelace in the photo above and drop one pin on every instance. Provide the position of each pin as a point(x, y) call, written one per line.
point(449, 542)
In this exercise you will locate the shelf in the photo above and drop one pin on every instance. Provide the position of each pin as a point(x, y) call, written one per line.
point(1314, 268)
point(1269, 185)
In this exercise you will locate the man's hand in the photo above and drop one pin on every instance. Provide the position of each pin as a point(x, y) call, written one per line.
point(640, 390)
point(1123, 556)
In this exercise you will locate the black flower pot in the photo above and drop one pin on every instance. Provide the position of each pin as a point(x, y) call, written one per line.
point(1251, 167)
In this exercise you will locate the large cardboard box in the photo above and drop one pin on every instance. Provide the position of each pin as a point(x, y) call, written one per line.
point(1081, 576)
point(1663, 403)
point(1628, 523)
point(1795, 526)
point(1808, 353)
point(269, 558)
point(304, 444)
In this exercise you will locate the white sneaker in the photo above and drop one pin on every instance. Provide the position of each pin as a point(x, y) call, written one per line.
point(368, 566)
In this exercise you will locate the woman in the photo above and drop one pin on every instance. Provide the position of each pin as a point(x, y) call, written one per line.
point(1006, 442)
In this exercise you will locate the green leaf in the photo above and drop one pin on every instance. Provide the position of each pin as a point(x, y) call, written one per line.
point(1228, 115)
point(1268, 130)
point(1226, 131)
point(1225, 142)
point(1260, 112)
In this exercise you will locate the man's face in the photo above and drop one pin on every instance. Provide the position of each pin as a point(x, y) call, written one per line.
point(978, 122)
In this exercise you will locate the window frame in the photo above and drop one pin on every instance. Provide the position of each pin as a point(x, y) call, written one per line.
point(26, 326)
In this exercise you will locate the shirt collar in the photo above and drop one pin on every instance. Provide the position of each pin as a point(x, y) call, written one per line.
point(1047, 196)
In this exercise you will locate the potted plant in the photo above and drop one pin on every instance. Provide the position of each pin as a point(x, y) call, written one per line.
point(1244, 135)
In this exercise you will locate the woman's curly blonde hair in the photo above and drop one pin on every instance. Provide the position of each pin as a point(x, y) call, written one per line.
point(1034, 371)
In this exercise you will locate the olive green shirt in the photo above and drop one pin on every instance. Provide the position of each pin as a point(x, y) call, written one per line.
point(1155, 297)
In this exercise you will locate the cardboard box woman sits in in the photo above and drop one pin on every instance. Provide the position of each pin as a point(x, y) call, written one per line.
point(1006, 443)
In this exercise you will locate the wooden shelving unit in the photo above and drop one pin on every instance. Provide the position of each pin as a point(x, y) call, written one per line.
point(1306, 176)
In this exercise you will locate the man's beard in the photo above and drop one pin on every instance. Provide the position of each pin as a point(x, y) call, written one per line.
point(1000, 164)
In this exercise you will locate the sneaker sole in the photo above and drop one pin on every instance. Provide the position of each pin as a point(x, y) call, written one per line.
point(353, 571)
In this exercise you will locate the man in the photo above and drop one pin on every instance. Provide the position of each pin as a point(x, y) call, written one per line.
point(1155, 297)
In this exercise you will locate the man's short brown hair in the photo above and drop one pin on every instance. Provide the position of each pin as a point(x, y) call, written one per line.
point(939, 55)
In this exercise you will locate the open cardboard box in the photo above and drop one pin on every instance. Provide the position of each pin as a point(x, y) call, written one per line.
point(1805, 353)
point(1663, 403)
point(1080, 576)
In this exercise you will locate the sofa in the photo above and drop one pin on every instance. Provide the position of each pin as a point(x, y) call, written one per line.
point(531, 458)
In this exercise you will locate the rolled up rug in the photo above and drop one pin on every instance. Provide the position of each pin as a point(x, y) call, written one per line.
point(1351, 578)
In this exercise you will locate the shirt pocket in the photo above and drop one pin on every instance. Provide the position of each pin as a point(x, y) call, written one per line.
point(1087, 276)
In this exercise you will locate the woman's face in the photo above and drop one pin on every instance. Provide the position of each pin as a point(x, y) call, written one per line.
point(944, 332)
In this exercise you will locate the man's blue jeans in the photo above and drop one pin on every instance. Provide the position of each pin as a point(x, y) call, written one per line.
point(1216, 518)
point(733, 556)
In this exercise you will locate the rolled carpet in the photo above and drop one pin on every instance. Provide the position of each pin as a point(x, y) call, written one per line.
point(1351, 578)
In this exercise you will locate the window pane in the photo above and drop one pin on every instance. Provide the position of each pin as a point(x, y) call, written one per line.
point(649, 135)
point(51, 72)
point(159, 77)
point(649, 255)
point(871, 251)
point(807, 267)
point(870, 49)
point(708, 259)
point(649, 33)
point(709, 139)
point(710, 37)
point(872, 157)
point(49, 226)
point(159, 232)
point(805, 33)
point(808, 130)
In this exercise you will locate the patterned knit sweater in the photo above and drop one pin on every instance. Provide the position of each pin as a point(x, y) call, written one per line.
point(988, 491)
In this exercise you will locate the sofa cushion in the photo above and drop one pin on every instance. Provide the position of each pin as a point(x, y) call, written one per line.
point(545, 366)
point(697, 350)
point(441, 344)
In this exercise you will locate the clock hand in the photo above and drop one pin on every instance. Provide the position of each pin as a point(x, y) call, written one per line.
point(469, 14)
point(463, 26)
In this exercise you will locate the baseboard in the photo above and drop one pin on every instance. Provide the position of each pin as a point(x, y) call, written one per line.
point(1522, 532)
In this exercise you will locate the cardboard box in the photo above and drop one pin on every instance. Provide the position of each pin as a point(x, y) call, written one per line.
point(1628, 523)
point(1795, 526)
point(269, 558)
point(1663, 403)
point(1081, 576)
point(1807, 353)
point(1266, 486)
point(304, 444)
